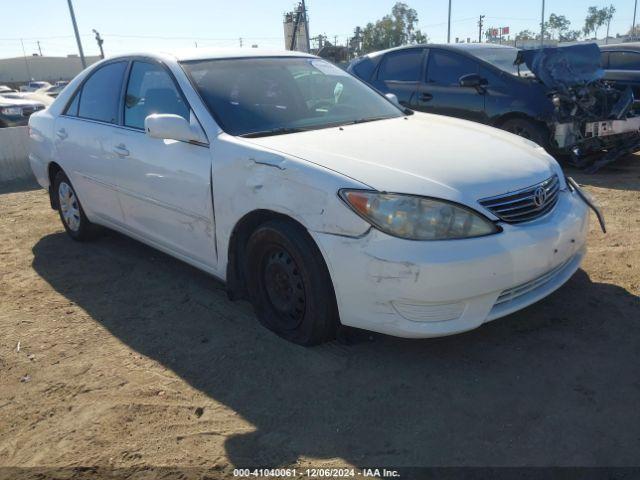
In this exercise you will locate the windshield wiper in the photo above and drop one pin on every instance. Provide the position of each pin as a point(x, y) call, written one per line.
point(274, 131)
point(365, 120)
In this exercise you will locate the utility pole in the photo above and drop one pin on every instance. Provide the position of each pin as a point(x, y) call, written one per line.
point(100, 41)
point(39, 48)
point(306, 24)
point(26, 63)
point(480, 22)
point(75, 29)
point(633, 27)
point(449, 25)
point(542, 27)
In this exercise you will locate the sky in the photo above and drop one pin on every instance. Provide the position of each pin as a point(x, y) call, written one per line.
point(134, 25)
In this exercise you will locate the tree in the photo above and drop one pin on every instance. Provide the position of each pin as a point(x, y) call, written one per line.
point(570, 36)
point(525, 35)
point(558, 25)
point(608, 15)
point(596, 17)
point(393, 30)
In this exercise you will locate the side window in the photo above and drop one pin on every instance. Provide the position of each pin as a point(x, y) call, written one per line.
point(446, 68)
point(151, 90)
point(624, 61)
point(72, 108)
point(401, 66)
point(604, 60)
point(101, 93)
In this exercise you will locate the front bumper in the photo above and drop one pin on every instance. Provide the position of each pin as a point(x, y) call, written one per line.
point(429, 289)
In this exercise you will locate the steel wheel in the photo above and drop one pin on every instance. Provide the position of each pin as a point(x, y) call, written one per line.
point(285, 287)
point(69, 206)
point(289, 285)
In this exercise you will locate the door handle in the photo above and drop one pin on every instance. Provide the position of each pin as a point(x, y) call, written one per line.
point(121, 150)
point(425, 97)
point(62, 134)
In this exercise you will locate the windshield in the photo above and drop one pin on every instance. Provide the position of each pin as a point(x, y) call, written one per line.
point(270, 95)
point(503, 58)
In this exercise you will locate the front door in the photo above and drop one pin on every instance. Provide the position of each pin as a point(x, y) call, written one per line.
point(441, 92)
point(164, 185)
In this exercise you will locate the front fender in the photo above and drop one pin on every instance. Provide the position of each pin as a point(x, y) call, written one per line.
point(247, 177)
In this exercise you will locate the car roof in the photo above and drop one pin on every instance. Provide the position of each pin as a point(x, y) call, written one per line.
point(464, 47)
point(216, 53)
point(633, 46)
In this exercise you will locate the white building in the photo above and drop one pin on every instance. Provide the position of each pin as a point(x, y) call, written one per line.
point(50, 69)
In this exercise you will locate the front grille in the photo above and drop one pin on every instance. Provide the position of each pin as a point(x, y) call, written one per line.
point(515, 292)
point(525, 205)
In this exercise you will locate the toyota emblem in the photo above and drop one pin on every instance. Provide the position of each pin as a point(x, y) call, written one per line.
point(540, 196)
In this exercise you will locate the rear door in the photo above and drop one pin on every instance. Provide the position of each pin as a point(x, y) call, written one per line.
point(83, 141)
point(164, 185)
point(441, 92)
point(399, 73)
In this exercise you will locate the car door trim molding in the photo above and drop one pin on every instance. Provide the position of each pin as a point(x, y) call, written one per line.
point(145, 198)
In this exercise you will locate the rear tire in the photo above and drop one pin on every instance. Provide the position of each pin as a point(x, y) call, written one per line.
point(527, 129)
point(72, 215)
point(289, 284)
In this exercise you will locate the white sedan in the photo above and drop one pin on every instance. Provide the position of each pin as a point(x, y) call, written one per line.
point(318, 199)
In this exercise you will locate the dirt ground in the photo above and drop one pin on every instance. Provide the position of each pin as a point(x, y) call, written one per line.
point(117, 356)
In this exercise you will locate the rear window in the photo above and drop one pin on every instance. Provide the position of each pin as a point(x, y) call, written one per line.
point(401, 66)
point(364, 68)
point(101, 93)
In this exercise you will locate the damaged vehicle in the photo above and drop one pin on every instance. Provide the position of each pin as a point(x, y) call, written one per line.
point(553, 96)
point(310, 194)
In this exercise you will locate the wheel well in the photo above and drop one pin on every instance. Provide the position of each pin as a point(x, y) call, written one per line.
point(499, 122)
point(236, 282)
point(53, 170)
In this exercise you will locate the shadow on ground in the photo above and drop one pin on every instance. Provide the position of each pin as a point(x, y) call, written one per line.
point(623, 174)
point(556, 384)
point(21, 185)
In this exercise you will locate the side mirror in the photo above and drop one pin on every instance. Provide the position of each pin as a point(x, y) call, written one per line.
point(473, 80)
point(169, 127)
point(393, 99)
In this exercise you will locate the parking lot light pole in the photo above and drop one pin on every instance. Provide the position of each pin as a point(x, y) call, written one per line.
point(542, 27)
point(75, 29)
point(449, 25)
point(633, 25)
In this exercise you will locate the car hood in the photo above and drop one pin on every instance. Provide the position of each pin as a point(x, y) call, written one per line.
point(423, 154)
point(17, 102)
point(563, 67)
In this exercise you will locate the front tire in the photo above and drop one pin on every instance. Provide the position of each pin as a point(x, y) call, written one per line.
point(289, 284)
point(74, 221)
point(527, 129)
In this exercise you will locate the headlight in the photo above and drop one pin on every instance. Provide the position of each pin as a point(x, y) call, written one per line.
point(417, 218)
point(12, 111)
